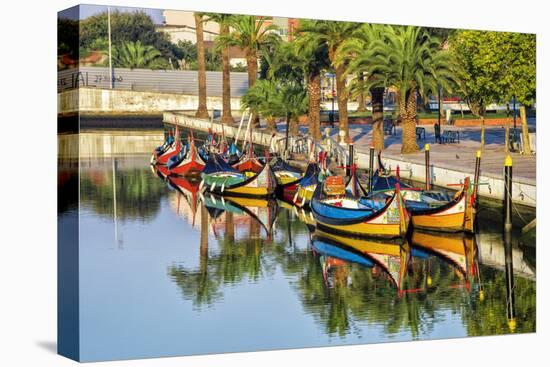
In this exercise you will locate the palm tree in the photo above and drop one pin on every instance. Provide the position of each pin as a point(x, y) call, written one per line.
point(263, 98)
point(313, 53)
point(252, 34)
point(294, 102)
point(333, 34)
point(224, 20)
point(412, 61)
point(136, 55)
point(354, 49)
point(202, 110)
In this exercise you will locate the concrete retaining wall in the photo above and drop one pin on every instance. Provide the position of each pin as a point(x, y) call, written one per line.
point(107, 101)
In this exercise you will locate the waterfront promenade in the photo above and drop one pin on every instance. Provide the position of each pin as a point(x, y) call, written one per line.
point(450, 163)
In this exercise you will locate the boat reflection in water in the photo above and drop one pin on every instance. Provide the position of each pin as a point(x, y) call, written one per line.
point(405, 265)
point(248, 215)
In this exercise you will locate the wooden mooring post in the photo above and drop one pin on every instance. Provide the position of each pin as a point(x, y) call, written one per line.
point(350, 159)
point(371, 167)
point(508, 260)
point(427, 162)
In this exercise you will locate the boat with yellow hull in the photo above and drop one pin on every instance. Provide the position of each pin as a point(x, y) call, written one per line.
point(360, 217)
point(432, 210)
point(221, 179)
point(455, 216)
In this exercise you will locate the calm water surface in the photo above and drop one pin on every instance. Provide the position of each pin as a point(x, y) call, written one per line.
point(164, 272)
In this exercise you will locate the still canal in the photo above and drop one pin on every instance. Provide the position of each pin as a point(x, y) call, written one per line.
point(165, 272)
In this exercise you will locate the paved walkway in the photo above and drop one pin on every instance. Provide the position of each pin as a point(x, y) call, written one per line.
point(459, 156)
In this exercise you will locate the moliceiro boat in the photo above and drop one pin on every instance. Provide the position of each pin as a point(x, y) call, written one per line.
point(188, 162)
point(433, 210)
point(171, 147)
point(334, 210)
point(220, 178)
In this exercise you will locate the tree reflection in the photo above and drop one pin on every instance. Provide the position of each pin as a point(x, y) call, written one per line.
point(409, 288)
point(138, 193)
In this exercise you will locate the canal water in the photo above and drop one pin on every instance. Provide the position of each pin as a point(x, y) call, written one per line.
point(166, 272)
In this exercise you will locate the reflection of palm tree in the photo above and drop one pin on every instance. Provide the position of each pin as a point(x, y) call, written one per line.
point(199, 285)
point(356, 294)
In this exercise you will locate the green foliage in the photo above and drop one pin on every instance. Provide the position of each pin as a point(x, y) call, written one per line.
point(331, 33)
point(125, 27)
point(67, 37)
point(407, 58)
point(249, 32)
point(135, 55)
point(138, 193)
point(491, 67)
point(239, 67)
point(276, 98)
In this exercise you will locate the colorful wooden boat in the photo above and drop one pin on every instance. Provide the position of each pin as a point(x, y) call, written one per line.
point(170, 148)
point(188, 162)
point(362, 217)
point(285, 174)
point(220, 178)
point(435, 209)
point(301, 192)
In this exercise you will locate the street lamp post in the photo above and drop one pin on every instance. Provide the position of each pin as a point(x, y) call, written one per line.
point(514, 108)
point(111, 82)
point(333, 95)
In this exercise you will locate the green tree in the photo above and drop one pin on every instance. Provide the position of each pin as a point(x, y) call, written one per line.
point(522, 76)
point(134, 55)
point(360, 66)
point(333, 34)
point(202, 110)
point(252, 34)
point(494, 67)
point(313, 56)
point(479, 75)
point(126, 27)
point(224, 20)
point(412, 61)
point(264, 99)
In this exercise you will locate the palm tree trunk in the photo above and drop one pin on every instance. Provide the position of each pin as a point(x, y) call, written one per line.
point(408, 121)
point(252, 69)
point(342, 101)
point(377, 96)
point(525, 132)
point(314, 111)
point(271, 124)
point(294, 126)
point(482, 133)
point(229, 227)
point(202, 110)
point(361, 96)
point(227, 118)
point(203, 253)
